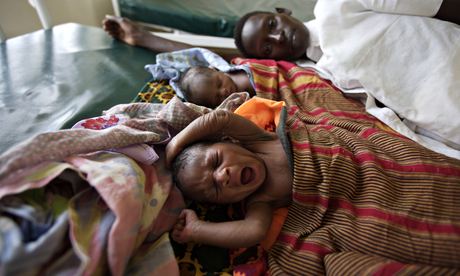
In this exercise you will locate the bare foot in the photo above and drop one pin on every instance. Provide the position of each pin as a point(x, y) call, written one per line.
point(124, 29)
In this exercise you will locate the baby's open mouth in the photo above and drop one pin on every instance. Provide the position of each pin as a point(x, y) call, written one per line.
point(246, 175)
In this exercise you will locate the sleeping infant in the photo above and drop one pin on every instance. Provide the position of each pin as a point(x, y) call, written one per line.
point(207, 86)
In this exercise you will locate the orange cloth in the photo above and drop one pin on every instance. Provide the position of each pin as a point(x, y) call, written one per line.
point(266, 113)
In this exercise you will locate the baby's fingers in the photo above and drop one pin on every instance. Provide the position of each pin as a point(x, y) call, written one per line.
point(176, 235)
point(180, 225)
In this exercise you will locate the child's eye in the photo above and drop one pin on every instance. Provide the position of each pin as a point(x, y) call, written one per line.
point(216, 161)
point(216, 187)
point(271, 24)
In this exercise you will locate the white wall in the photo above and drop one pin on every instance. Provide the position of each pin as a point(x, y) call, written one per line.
point(18, 17)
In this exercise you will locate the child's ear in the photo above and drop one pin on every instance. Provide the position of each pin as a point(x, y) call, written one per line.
point(283, 10)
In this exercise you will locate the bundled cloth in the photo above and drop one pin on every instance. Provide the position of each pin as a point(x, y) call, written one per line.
point(71, 202)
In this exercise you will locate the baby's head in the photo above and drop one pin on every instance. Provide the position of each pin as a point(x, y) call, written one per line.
point(218, 172)
point(206, 86)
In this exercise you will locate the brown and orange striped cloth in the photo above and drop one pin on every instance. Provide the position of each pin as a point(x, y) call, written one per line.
point(365, 200)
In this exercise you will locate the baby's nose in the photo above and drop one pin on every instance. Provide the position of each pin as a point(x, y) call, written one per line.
point(222, 177)
point(224, 92)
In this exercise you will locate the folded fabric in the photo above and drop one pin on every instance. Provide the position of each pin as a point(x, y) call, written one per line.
point(140, 152)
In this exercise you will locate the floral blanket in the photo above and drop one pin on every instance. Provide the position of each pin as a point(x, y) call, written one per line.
point(70, 202)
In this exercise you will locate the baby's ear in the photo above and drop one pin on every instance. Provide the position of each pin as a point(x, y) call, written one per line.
point(233, 101)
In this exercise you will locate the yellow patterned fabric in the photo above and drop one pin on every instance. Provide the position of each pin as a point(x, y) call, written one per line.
point(155, 92)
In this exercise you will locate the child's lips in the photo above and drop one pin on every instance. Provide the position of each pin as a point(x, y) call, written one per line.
point(246, 175)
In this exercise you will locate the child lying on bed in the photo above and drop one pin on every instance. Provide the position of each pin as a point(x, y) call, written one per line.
point(360, 199)
point(201, 76)
point(209, 87)
point(263, 182)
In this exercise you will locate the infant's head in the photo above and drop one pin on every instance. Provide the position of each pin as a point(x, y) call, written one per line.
point(218, 172)
point(206, 86)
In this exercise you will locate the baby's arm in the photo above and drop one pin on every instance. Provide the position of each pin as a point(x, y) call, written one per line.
point(214, 126)
point(232, 234)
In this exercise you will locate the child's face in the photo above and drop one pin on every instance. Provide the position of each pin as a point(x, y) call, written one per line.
point(212, 89)
point(222, 173)
point(275, 36)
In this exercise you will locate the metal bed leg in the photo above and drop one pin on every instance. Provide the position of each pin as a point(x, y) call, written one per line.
point(2, 35)
point(43, 14)
point(116, 7)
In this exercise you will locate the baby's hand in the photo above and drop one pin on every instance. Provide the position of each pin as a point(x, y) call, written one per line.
point(186, 226)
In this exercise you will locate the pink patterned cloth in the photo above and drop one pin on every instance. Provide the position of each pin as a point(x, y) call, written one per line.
point(141, 152)
point(142, 123)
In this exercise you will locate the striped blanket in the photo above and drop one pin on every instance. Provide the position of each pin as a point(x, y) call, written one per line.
point(365, 200)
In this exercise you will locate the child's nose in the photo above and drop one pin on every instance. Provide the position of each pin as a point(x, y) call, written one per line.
point(278, 37)
point(222, 177)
